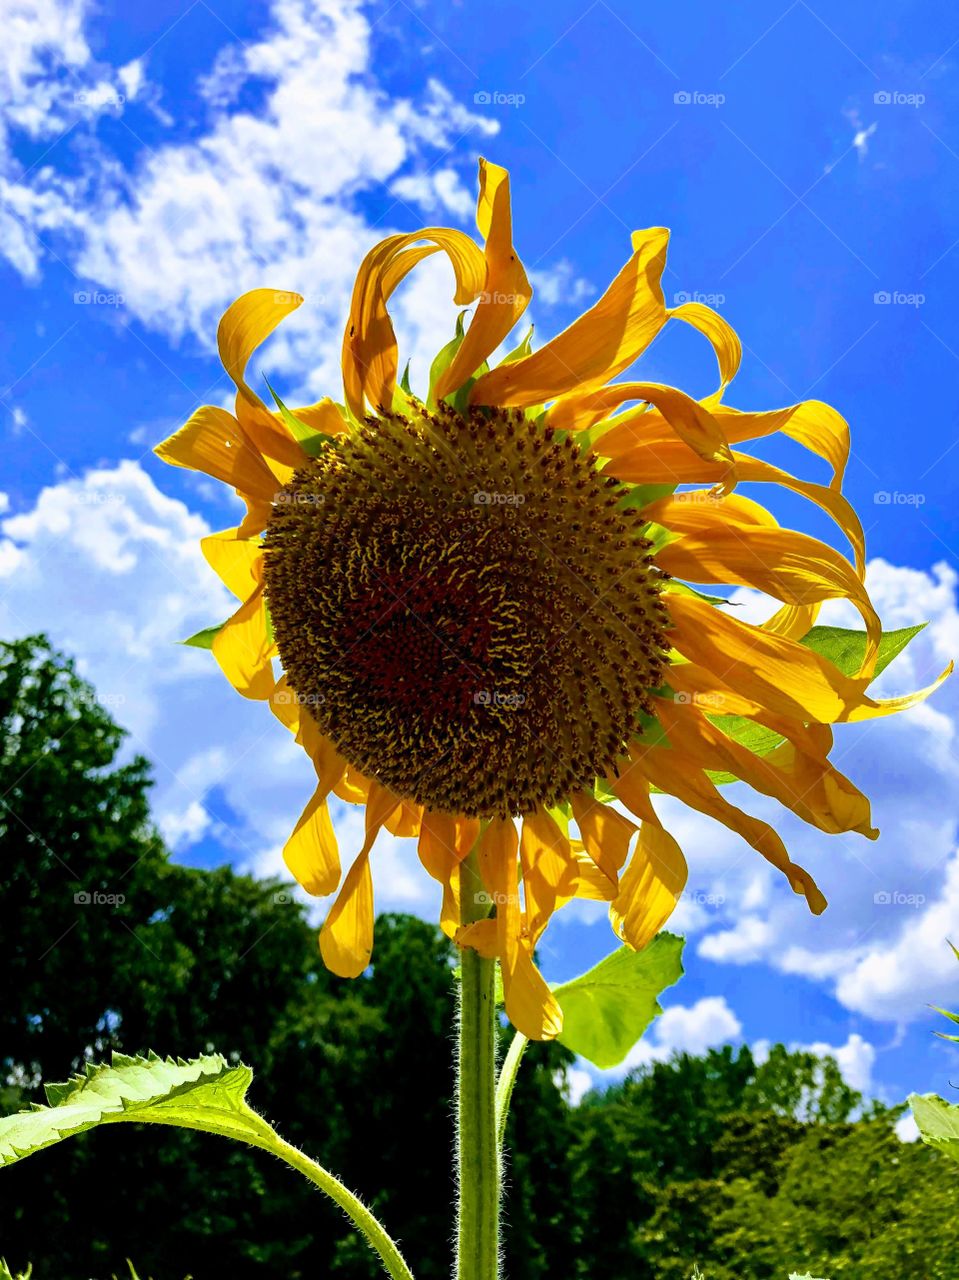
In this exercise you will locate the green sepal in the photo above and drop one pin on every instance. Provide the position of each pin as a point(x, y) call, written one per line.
point(524, 349)
point(606, 1010)
point(310, 441)
point(641, 495)
point(444, 358)
point(203, 640)
point(405, 380)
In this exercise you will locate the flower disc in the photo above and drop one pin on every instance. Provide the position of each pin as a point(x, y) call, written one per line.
point(466, 608)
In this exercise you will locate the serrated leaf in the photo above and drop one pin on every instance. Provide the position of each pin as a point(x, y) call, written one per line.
point(606, 1010)
point(844, 649)
point(202, 640)
point(207, 1093)
point(937, 1121)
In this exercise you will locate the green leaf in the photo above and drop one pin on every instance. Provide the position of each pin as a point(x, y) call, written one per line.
point(202, 640)
point(207, 1094)
point(845, 649)
point(938, 1122)
point(606, 1010)
point(313, 442)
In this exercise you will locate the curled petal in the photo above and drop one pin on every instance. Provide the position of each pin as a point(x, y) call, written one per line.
point(370, 358)
point(601, 343)
point(507, 291)
point(244, 650)
point(212, 442)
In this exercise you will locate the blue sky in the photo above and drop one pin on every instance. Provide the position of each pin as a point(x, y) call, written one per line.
point(156, 161)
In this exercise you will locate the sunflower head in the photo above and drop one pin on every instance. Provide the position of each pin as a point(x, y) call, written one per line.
point(487, 603)
point(468, 608)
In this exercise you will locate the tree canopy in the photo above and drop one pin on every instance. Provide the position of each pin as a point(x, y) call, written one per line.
point(748, 1169)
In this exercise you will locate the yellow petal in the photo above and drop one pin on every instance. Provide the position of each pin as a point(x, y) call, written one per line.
point(236, 561)
point(245, 324)
point(693, 424)
point(549, 869)
point(244, 649)
point(311, 852)
point(656, 876)
point(673, 462)
point(805, 782)
point(679, 777)
point(324, 416)
point(530, 1005)
point(370, 358)
point(793, 621)
point(506, 292)
point(816, 426)
point(346, 939)
point(601, 343)
point(211, 442)
point(444, 842)
point(720, 333)
point(787, 565)
point(606, 834)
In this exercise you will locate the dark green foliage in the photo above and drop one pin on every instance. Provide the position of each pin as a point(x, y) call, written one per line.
point(749, 1171)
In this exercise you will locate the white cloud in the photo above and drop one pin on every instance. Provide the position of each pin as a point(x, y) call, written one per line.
point(906, 1128)
point(559, 285)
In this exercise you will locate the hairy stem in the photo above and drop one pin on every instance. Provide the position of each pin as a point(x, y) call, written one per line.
point(477, 1149)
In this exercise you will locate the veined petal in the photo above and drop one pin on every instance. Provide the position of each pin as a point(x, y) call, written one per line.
point(678, 776)
point(507, 291)
point(549, 869)
point(722, 336)
point(601, 343)
point(657, 873)
point(248, 322)
point(606, 834)
point(244, 649)
point(346, 939)
point(787, 565)
point(311, 852)
point(793, 620)
point(806, 783)
point(444, 842)
point(777, 673)
point(694, 425)
point(211, 442)
point(675, 463)
point(530, 1005)
point(698, 511)
point(816, 426)
point(370, 359)
point(236, 561)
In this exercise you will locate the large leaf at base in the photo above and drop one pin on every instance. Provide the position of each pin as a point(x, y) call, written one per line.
point(606, 1010)
point(938, 1123)
point(207, 1093)
point(844, 649)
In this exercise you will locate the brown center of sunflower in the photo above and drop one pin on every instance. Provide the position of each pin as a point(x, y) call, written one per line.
point(467, 609)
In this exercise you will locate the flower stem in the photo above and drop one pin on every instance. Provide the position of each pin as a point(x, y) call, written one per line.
point(477, 1148)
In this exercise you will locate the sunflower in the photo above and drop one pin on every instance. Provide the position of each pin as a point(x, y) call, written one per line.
point(481, 603)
